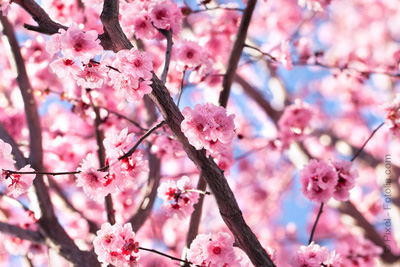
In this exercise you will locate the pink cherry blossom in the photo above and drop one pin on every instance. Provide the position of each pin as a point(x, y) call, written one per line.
point(346, 180)
point(318, 181)
point(190, 55)
point(392, 118)
point(92, 76)
point(75, 43)
point(133, 78)
point(143, 28)
point(6, 161)
point(178, 197)
point(63, 67)
point(208, 126)
point(315, 256)
point(115, 244)
point(294, 122)
point(358, 251)
point(128, 172)
point(94, 182)
point(207, 250)
point(18, 184)
point(117, 143)
point(160, 15)
point(138, 64)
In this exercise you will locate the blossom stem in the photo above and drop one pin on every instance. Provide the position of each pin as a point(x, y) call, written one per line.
point(168, 256)
point(366, 141)
point(181, 90)
point(316, 222)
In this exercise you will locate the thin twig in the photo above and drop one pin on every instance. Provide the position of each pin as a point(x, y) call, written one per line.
point(315, 223)
point(366, 141)
point(133, 149)
point(181, 89)
point(166, 255)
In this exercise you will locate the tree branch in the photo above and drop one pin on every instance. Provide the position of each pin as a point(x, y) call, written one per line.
point(236, 52)
point(56, 237)
point(19, 232)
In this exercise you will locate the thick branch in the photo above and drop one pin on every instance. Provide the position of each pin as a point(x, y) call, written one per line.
point(16, 231)
point(215, 178)
point(146, 206)
point(236, 52)
point(56, 237)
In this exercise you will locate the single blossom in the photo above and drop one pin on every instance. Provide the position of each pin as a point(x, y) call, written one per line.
point(207, 250)
point(94, 182)
point(19, 184)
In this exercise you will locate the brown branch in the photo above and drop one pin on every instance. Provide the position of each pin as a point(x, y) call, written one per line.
point(226, 201)
point(45, 24)
point(256, 95)
point(93, 228)
point(101, 152)
point(168, 35)
point(144, 210)
point(236, 52)
point(195, 218)
point(19, 232)
point(56, 237)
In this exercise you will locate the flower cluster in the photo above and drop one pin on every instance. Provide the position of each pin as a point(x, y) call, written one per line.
point(320, 181)
point(115, 244)
point(192, 56)
point(138, 17)
point(178, 197)
point(122, 174)
point(77, 45)
point(208, 126)
point(74, 43)
point(315, 256)
point(392, 117)
point(358, 251)
point(314, 5)
point(294, 122)
point(17, 184)
point(134, 75)
point(206, 250)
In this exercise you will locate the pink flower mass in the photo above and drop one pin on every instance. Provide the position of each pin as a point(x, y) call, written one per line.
point(214, 133)
point(207, 250)
point(116, 244)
